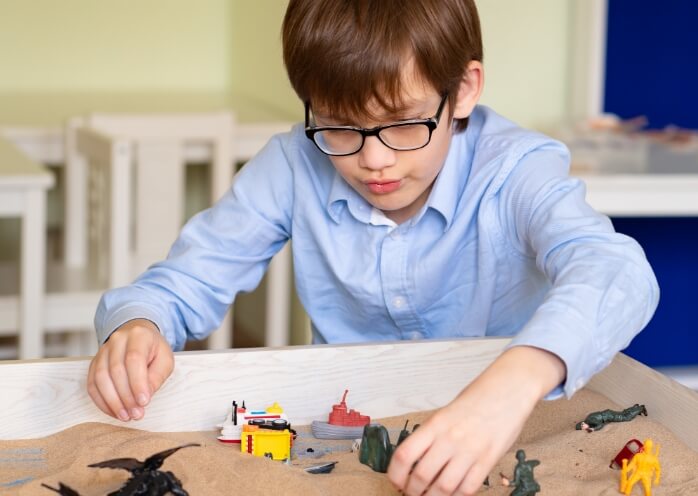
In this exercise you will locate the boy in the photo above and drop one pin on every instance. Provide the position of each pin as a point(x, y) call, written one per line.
point(414, 213)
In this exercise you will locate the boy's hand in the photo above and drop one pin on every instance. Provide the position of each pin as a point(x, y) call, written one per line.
point(454, 450)
point(128, 369)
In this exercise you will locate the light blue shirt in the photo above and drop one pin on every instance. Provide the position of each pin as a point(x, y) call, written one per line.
point(505, 245)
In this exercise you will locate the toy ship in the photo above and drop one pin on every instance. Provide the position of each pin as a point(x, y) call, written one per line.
point(342, 423)
point(238, 416)
point(265, 432)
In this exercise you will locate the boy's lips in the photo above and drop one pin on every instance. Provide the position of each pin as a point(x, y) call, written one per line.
point(383, 187)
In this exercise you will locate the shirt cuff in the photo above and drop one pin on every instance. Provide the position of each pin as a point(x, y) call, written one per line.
point(126, 314)
point(580, 359)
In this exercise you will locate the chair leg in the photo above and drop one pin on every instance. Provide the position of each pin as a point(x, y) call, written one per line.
point(72, 344)
point(88, 343)
point(222, 338)
point(277, 331)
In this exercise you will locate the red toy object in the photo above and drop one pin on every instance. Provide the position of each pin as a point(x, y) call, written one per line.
point(631, 447)
point(340, 416)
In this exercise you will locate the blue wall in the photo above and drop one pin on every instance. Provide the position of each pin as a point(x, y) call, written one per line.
point(671, 245)
point(652, 61)
point(652, 70)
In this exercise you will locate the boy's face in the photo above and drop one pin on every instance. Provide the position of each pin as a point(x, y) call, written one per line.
point(397, 182)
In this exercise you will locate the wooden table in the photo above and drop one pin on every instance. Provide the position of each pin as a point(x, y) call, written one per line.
point(23, 185)
point(385, 379)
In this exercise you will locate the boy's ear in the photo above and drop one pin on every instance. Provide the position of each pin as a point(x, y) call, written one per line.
point(469, 90)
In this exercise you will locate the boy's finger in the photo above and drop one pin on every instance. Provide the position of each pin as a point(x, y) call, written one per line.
point(104, 388)
point(452, 477)
point(94, 393)
point(406, 456)
point(136, 360)
point(474, 479)
point(120, 379)
point(101, 404)
point(161, 367)
point(428, 469)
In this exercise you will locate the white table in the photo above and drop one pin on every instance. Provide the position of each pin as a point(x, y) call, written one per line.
point(36, 122)
point(23, 185)
point(643, 195)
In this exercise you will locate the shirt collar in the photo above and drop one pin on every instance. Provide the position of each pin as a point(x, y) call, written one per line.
point(343, 196)
point(450, 182)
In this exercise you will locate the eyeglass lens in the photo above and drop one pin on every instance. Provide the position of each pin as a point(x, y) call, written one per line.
point(398, 137)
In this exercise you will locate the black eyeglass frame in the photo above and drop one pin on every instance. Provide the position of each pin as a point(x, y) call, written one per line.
point(431, 124)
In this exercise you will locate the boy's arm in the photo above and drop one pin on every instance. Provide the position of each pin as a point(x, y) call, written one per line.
point(455, 448)
point(603, 292)
point(603, 289)
point(219, 252)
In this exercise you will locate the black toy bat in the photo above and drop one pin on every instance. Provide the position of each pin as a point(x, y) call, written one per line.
point(146, 478)
point(62, 489)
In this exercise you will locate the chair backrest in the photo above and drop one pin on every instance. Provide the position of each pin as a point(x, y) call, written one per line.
point(135, 189)
point(133, 173)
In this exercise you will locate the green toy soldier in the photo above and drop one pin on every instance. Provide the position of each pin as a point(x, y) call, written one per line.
point(597, 420)
point(523, 482)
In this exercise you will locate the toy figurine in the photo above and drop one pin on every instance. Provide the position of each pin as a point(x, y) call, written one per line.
point(523, 481)
point(641, 468)
point(597, 420)
point(146, 478)
point(342, 422)
point(626, 453)
point(375, 449)
point(270, 438)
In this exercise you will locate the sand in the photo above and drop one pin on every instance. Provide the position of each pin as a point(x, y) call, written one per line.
point(572, 462)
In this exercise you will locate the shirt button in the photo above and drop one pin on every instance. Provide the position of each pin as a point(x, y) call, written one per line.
point(579, 384)
point(398, 302)
point(415, 335)
point(395, 234)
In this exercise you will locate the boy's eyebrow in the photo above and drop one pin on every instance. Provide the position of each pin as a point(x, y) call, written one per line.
point(413, 109)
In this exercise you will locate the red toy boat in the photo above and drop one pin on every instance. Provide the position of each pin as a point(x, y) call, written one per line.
point(340, 416)
point(343, 423)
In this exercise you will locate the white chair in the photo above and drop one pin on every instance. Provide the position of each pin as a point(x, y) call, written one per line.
point(114, 169)
point(130, 171)
point(160, 143)
point(23, 185)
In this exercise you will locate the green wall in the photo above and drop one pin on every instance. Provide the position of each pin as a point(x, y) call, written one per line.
point(115, 44)
point(526, 59)
point(257, 69)
point(219, 45)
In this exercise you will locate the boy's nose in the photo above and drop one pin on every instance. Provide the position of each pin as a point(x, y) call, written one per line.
point(375, 155)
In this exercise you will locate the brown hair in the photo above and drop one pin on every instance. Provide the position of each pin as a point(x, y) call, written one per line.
point(343, 54)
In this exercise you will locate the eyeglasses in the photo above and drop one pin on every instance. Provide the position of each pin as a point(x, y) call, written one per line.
point(339, 141)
